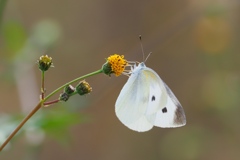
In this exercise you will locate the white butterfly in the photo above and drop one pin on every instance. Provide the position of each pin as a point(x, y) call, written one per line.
point(146, 101)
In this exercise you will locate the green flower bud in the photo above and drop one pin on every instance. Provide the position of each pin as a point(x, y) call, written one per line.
point(107, 69)
point(69, 89)
point(64, 97)
point(83, 88)
point(44, 63)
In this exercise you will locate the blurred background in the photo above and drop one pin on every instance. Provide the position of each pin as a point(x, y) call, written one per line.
point(195, 50)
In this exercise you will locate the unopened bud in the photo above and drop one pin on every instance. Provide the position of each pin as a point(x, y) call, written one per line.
point(69, 89)
point(83, 88)
point(44, 63)
point(64, 97)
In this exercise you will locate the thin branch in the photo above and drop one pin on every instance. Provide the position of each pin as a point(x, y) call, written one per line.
point(38, 106)
point(51, 102)
point(42, 85)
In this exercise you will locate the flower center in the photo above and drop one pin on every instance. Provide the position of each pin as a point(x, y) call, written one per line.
point(118, 63)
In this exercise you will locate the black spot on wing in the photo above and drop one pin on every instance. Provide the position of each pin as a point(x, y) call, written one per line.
point(164, 110)
point(179, 115)
point(153, 98)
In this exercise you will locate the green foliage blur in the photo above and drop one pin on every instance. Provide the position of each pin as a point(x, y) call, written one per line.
point(17, 48)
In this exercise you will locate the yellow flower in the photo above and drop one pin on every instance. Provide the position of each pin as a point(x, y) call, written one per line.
point(115, 64)
point(44, 63)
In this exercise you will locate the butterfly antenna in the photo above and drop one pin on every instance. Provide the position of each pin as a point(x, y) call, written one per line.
point(144, 60)
point(140, 38)
point(147, 56)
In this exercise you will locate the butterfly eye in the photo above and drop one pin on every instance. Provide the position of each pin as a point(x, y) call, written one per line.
point(164, 110)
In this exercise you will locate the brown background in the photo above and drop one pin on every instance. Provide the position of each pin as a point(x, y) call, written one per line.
point(195, 50)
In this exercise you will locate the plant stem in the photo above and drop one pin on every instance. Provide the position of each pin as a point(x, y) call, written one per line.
point(42, 85)
point(38, 106)
point(51, 102)
point(75, 80)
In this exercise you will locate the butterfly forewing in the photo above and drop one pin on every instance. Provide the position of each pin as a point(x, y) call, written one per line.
point(172, 115)
point(157, 97)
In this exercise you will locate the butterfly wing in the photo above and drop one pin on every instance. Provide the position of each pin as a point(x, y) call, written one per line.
point(146, 100)
point(132, 107)
point(172, 115)
point(132, 102)
point(157, 97)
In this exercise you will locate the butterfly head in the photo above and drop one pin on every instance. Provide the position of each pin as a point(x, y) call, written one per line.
point(136, 68)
